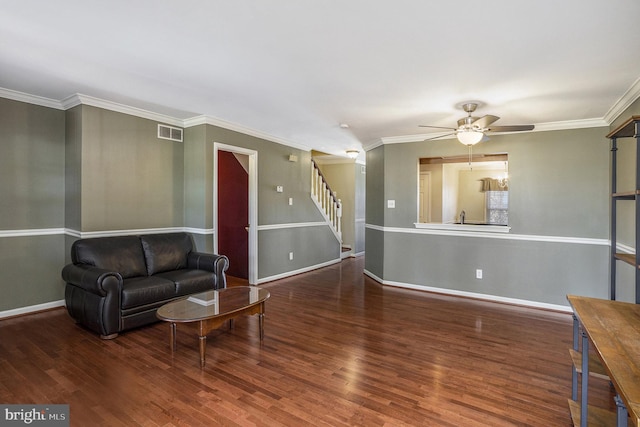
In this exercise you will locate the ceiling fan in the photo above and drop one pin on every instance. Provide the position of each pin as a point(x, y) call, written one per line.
point(471, 130)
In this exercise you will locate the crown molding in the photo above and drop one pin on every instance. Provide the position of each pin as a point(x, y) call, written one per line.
point(568, 125)
point(81, 99)
point(30, 99)
point(630, 96)
point(625, 101)
point(373, 144)
point(401, 139)
point(539, 127)
point(213, 121)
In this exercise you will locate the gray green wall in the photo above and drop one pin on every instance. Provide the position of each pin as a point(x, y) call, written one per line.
point(558, 213)
point(130, 179)
point(32, 204)
point(279, 224)
point(198, 181)
point(91, 171)
point(360, 213)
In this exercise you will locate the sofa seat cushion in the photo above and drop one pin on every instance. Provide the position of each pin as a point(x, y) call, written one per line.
point(143, 290)
point(190, 281)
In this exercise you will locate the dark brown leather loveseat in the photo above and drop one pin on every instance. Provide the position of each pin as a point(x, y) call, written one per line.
point(118, 283)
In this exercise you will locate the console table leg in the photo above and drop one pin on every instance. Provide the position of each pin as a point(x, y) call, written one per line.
point(621, 412)
point(585, 380)
point(574, 371)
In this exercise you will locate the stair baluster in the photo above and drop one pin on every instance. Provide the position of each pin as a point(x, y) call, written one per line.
point(326, 201)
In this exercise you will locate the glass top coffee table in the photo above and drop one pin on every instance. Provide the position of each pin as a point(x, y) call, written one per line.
point(209, 310)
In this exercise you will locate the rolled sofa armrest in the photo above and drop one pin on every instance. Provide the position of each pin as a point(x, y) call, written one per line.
point(92, 279)
point(210, 262)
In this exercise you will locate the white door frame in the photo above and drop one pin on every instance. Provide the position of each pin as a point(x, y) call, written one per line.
point(253, 204)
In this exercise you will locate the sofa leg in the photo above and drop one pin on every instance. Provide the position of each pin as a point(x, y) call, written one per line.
point(109, 337)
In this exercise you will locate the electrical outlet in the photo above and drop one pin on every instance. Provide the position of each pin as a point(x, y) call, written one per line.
point(478, 274)
point(290, 256)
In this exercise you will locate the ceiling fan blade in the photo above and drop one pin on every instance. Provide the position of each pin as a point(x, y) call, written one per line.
point(439, 136)
point(436, 127)
point(512, 128)
point(485, 121)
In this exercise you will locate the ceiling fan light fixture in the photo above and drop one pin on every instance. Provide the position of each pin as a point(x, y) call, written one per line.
point(469, 136)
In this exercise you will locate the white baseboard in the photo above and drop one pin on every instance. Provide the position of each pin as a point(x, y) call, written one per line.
point(485, 297)
point(31, 309)
point(295, 272)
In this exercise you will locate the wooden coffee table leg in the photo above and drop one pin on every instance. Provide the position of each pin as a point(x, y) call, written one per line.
point(202, 336)
point(172, 337)
point(261, 321)
point(203, 346)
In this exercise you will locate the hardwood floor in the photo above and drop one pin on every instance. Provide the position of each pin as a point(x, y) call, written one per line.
point(339, 350)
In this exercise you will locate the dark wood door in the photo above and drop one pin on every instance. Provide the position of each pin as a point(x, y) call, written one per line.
point(233, 212)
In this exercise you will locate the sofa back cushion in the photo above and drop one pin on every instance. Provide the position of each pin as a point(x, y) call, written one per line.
point(165, 252)
point(122, 254)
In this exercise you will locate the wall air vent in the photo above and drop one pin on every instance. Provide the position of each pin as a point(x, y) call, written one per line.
point(170, 133)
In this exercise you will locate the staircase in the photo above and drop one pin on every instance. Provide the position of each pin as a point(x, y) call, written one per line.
point(326, 201)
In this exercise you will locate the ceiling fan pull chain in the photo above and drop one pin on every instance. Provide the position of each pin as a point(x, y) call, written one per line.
point(470, 156)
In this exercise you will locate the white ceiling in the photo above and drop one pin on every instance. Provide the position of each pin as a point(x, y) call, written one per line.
point(297, 69)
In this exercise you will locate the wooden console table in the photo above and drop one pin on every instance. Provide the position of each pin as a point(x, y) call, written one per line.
point(613, 328)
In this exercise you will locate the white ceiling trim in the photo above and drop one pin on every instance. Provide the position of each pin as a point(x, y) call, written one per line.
point(625, 101)
point(208, 120)
point(372, 145)
point(30, 99)
point(79, 99)
point(539, 127)
point(412, 138)
point(630, 96)
point(567, 125)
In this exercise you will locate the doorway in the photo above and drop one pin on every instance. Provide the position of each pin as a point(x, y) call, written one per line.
point(424, 197)
point(235, 214)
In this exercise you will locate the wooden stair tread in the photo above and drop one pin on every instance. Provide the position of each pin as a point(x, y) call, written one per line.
point(597, 416)
point(595, 366)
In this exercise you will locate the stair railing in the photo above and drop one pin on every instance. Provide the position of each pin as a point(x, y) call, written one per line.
point(326, 201)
